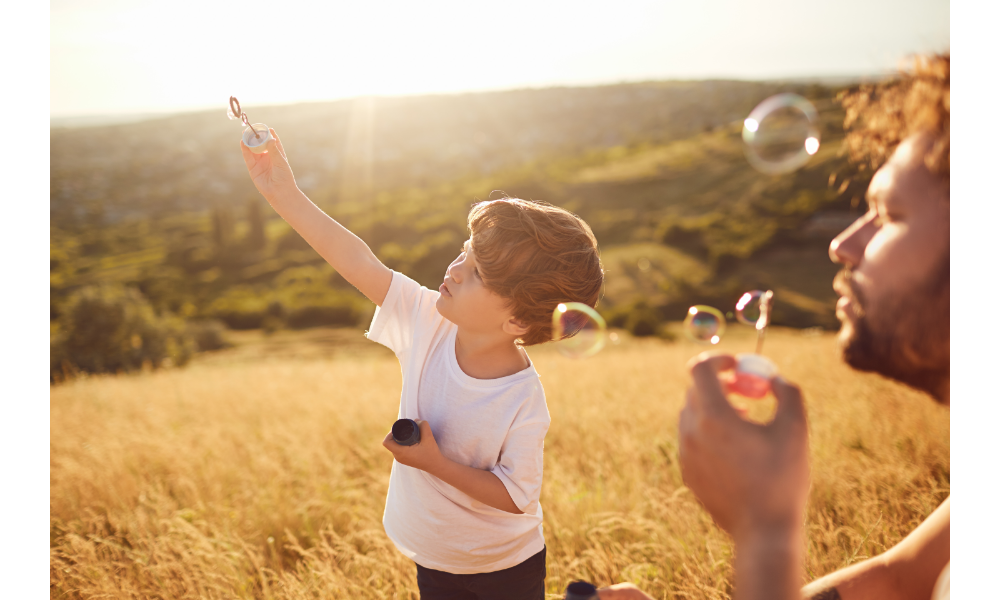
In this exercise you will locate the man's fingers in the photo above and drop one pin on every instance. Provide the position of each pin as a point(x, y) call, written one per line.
point(791, 408)
point(709, 395)
point(622, 591)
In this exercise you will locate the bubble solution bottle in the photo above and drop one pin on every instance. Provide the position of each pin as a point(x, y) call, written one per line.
point(406, 432)
point(581, 590)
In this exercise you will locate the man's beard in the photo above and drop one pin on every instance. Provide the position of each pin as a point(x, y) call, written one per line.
point(910, 341)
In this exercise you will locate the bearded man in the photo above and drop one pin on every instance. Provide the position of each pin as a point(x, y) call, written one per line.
point(894, 310)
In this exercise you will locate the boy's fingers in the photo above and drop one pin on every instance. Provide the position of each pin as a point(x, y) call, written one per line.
point(248, 156)
point(272, 149)
point(388, 440)
point(277, 142)
point(425, 429)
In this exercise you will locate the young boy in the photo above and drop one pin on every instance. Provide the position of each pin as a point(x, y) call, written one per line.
point(463, 502)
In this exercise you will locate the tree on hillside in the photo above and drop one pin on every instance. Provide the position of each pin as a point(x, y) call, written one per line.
point(110, 328)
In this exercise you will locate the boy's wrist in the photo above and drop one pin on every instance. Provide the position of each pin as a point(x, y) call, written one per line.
point(438, 466)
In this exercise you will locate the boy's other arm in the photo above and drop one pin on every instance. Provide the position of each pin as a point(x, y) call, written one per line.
point(346, 252)
point(907, 570)
point(477, 483)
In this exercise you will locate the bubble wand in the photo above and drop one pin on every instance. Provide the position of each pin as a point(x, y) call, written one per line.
point(258, 142)
point(754, 371)
point(764, 319)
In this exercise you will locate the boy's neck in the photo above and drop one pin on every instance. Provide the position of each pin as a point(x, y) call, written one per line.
point(488, 356)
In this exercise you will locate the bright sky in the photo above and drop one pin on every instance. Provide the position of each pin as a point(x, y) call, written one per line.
point(131, 56)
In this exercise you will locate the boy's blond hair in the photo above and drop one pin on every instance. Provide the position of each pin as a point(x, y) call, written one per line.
point(535, 256)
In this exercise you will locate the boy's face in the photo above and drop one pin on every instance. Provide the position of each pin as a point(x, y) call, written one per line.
point(465, 300)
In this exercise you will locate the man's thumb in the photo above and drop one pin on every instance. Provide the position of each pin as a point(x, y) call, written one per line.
point(791, 409)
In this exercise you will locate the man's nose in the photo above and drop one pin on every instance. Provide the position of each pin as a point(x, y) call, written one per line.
point(849, 247)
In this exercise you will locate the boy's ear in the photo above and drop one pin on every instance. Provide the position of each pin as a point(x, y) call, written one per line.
point(514, 327)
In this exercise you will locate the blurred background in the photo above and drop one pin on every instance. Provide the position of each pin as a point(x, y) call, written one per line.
point(396, 117)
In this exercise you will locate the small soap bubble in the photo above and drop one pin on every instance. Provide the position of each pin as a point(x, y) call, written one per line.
point(704, 324)
point(231, 114)
point(644, 264)
point(578, 330)
point(748, 307)
point(781, 134)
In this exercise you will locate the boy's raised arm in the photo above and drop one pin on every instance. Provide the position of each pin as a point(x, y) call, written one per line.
point(346, 252)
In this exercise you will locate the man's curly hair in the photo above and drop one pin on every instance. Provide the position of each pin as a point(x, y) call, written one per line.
point(880, 116)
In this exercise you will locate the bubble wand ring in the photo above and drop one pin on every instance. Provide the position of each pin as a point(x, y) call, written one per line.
point(752, 377)
point(234, 108)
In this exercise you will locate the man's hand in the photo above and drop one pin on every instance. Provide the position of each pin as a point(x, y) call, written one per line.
point(751, 478)
point(424, 455)
point(269, 170)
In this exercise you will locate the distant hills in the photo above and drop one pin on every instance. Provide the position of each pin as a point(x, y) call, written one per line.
point(656, 168)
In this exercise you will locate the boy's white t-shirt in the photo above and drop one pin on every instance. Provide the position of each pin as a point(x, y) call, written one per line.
point(493, 424)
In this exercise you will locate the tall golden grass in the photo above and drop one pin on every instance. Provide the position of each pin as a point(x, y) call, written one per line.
point(266, 478)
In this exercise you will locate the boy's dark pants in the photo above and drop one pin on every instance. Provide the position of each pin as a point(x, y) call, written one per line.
point(525, 581)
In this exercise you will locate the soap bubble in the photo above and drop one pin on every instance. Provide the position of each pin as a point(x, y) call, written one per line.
point(781, 134)
point(704, 324)
point(578, 330)
point(748, 307)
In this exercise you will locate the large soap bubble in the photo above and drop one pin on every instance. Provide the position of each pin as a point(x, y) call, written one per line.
point(704, 324)
point(578, 330)
point(781, 134)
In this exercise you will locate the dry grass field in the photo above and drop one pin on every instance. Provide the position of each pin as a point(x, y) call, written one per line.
point(258, 472)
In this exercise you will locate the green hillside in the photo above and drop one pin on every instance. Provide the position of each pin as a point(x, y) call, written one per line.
point(657, 169)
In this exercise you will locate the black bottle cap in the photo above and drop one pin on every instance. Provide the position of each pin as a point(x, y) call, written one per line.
point(581, 590)
point(406, 432)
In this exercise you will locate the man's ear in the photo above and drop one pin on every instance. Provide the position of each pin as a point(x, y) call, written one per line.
point(514, 327)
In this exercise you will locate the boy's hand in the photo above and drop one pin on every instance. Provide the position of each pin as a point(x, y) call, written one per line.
point(423, 455)
point(269, 170)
